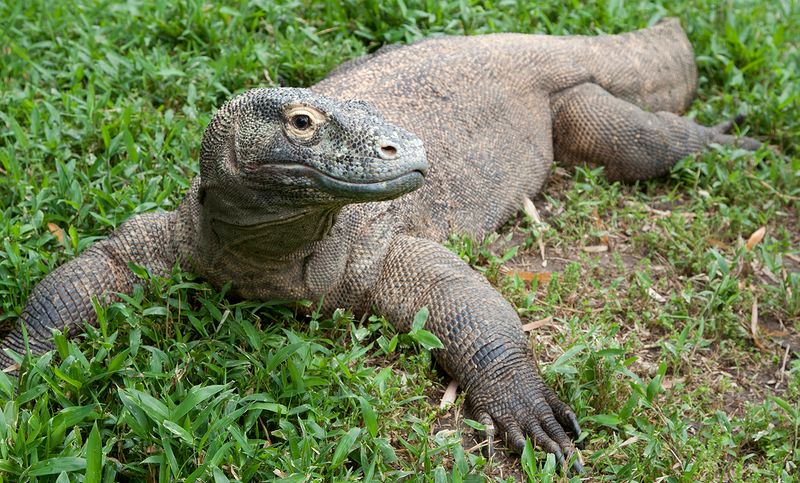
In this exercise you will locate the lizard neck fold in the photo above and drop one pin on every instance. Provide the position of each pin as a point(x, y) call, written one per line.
point(263, 234)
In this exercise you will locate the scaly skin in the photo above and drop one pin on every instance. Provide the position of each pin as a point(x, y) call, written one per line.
point(305, 194)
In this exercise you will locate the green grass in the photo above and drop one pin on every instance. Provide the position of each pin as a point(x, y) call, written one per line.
point(102, 105)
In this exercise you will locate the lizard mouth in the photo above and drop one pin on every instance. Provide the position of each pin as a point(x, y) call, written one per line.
point(384, 189)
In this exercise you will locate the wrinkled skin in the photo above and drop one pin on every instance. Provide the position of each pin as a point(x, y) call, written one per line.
point(311, 193)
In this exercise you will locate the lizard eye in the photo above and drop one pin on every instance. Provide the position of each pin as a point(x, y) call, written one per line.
point(301, 122)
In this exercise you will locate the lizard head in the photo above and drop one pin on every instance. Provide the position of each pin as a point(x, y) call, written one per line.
point(295, 148)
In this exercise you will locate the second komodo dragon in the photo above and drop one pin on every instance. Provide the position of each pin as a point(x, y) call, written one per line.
point(345, 191)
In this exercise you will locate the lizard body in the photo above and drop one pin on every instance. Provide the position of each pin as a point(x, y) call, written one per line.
point(345, 192)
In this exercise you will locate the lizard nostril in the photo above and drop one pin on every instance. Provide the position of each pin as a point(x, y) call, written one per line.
point(389, 150)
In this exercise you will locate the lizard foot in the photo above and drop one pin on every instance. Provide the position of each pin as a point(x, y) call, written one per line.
point(527, 408)
point(722, 135)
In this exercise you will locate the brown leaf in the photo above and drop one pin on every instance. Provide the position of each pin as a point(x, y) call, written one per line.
point(717, 243)
point(538, 324)
point(449, 396)
point(541, 277)
point(649, 209)
point(598, 222)
point(756, 237)
point(595, 248)
point(774, 333)
point(57, 232)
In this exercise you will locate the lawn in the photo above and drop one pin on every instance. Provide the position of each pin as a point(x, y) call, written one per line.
point(672, 332)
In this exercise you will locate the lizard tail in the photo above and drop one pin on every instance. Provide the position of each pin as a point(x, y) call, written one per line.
point(15, 342)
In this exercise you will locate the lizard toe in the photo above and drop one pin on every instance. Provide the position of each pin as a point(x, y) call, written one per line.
point(484, 418)
point(541, 438)
point(563, 413)
point(515, 437)
point(723, 133)
point(555, 431)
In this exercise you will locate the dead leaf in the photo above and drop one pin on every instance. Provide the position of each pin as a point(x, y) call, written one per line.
point(449, 396)
point(774, 333)
point(785, 359)
point(769, 187)
point(11, 368)
point(530, 326)
point(768, 273)
point(279, 473)
point(541, 277)
point(717, 243)
point(756, 237)
point(595, 248)
point(754, 322)
point(649, 209)
point(530, 209)
point(656, 296)
point(660, 213)
point(596, 215)
point(57, 232)
point(629, 441)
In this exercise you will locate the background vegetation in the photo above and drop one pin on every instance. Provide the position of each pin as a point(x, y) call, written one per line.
point(673, 339)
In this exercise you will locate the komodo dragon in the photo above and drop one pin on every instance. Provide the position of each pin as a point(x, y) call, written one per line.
point(325, 193)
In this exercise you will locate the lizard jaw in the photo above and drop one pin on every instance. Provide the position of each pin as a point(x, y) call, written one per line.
point(354, 191)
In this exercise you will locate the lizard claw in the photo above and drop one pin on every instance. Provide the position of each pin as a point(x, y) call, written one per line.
point(529, 409)
point(574, 427)
point(578, 467)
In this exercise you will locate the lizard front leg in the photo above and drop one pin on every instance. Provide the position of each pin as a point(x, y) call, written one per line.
point(63, 299)
point(485, 349)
